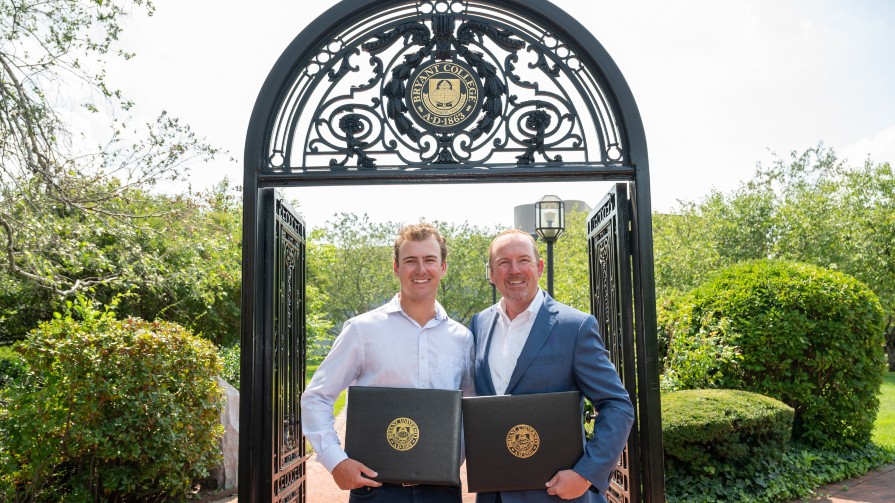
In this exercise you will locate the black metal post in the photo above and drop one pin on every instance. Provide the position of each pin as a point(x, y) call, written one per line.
point(493, 286)
point(550, 266)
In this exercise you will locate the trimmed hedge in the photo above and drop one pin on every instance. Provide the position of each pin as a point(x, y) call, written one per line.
point(728, 446)
point(112, 411)
point(808, 336)
point(704, 430)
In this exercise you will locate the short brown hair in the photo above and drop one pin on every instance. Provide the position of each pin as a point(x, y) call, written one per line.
point(420, 232)
point(514, 232)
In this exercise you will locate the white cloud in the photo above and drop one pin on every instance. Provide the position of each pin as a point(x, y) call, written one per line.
point(879, 148)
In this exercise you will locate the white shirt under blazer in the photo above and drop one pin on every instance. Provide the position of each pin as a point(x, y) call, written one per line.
point(507, 341)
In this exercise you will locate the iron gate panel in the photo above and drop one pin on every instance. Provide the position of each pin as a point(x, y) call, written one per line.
point(284, 347)
point(611, 303)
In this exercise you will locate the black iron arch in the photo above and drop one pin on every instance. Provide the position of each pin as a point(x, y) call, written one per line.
point(577, 116)
point(431, 91)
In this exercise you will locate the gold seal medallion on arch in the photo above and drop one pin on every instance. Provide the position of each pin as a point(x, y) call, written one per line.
point(444, 96)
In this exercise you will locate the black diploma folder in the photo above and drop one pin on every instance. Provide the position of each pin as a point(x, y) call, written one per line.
point(408, 436)
point(519, 442)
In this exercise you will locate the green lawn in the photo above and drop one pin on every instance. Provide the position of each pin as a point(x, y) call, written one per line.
point(340, 402)
point(884, 428)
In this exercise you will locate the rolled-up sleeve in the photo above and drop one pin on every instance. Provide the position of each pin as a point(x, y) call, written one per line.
point(339, 369)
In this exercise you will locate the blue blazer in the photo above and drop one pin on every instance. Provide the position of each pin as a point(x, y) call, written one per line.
point(564, 352)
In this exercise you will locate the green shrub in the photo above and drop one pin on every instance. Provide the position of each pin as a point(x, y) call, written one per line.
point(115, 411)
point(666, 306)
point(10, 370)
point(7, 352)
point(799, 471)
point(705, 430)
point(700, 366)
point(808, 336)
point(230, 365)
point(11, 366)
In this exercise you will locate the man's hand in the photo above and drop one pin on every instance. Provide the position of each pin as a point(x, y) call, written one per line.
point(350, 474)
point(567, 484)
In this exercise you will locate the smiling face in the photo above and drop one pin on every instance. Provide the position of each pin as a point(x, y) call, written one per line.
point(419, 268)
point(515, 270)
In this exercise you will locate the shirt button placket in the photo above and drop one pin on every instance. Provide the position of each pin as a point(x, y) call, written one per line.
point(425, 373)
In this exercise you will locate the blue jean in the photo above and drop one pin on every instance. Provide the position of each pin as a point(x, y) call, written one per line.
point(390, 493)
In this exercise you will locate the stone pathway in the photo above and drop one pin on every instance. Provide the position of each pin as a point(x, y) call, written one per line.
point(877, 486)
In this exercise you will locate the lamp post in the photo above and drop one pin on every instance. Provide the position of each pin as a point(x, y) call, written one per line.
point(550, 223)
point(488, 279)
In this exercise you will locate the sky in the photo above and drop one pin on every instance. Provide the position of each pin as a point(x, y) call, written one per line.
point(720, 86)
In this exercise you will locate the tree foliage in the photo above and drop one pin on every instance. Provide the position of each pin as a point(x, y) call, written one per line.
point(464, 290)
point(571, 280)
point(58, 185)
point(809, 207)
point(350, 269)
point(351, 263)
point(187, 273)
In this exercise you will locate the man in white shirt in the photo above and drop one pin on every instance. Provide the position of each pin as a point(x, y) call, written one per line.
point(407, 343)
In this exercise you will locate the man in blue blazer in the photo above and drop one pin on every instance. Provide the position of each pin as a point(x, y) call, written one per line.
point(529, 343)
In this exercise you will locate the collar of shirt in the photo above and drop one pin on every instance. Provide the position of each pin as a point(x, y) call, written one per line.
point(394, 306)
point(530, 312)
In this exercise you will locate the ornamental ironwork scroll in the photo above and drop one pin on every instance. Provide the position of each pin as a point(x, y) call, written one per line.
point(289, 352)
point(438, 84)
point(611, 291)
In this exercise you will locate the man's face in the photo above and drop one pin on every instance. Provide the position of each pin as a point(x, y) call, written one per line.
point(514, 269)
point(419, 269)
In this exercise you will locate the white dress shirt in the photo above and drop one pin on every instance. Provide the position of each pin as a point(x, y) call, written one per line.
point(508, 340)
point(385, 347)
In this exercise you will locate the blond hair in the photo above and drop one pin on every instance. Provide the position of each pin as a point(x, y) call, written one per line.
point(420, 232)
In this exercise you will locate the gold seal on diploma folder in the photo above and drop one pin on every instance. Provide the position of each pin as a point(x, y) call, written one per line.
point(523, 441)
point(402, 434)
